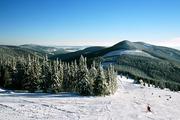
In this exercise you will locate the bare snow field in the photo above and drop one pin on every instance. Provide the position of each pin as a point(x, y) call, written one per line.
point(129, 103)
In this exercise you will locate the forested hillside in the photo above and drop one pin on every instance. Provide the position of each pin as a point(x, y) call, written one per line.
point(32, 74)
point(16, 51)
point(155, 64)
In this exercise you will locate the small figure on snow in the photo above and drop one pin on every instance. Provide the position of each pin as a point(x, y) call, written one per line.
point(149, 108)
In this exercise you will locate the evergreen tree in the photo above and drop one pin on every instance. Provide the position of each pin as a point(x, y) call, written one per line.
point(61, 74)
point(32, 74)
point(112, 79)
point(100, 84)
point(81, 70)
point(76, 69)
point(67, 83)
point(55, 76)
point(46, 75)
point(84, 85)
point(93, 71)
point(55, 79)
point(72, 76)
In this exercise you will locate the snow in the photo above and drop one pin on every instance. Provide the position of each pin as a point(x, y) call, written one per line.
point(5, 91)
point(2, 90)
point(129, 52)
point(128, 103)
point(147, 45)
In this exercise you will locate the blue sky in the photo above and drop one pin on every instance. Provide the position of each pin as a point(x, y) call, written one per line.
point(89, 22)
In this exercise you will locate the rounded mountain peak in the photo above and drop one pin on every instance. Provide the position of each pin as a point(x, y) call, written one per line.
point(125, 44)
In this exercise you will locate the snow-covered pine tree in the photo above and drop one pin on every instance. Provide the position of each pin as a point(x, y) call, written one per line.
point(56, 82)
point(112, 79)
point(61, 73)
point(84, 84)
point(67, 83)
point(92, 73)
point(80, 72)
point(46, 75)
point(108, 75)
point(76, 69)
point(100, 84)
point(27, 74)
point(32, 74)
point(72, 77)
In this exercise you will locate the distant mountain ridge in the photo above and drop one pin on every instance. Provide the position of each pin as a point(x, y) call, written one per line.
point(137, 59)
point(156, 51)
point(44, 49)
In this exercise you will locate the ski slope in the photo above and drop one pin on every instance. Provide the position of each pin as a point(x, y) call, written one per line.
point(129, 103)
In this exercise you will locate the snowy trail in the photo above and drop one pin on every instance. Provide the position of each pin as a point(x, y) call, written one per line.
point(128, 103)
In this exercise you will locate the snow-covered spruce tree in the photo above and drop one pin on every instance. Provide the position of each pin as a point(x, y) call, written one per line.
point(100, 83)
point(84, 84)
point(80, 72)
point(60, 67)
point(111, 77)
point(75, 69)
point(32, 74)
point(46, 75)
point(93, 71)
point(67, 83)
point(64, 76)
point(55, 80)
point(27, 74)
point(72, 76)
point(61, 74)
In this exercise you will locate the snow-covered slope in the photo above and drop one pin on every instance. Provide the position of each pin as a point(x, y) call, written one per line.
point(128, 52)
point(129, 103)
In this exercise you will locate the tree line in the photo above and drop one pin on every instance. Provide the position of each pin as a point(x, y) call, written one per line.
point(32, 74)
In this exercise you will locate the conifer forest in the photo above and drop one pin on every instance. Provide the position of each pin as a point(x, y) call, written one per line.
point(34, 74)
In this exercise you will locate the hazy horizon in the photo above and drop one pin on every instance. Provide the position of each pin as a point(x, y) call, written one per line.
point(90, 22)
